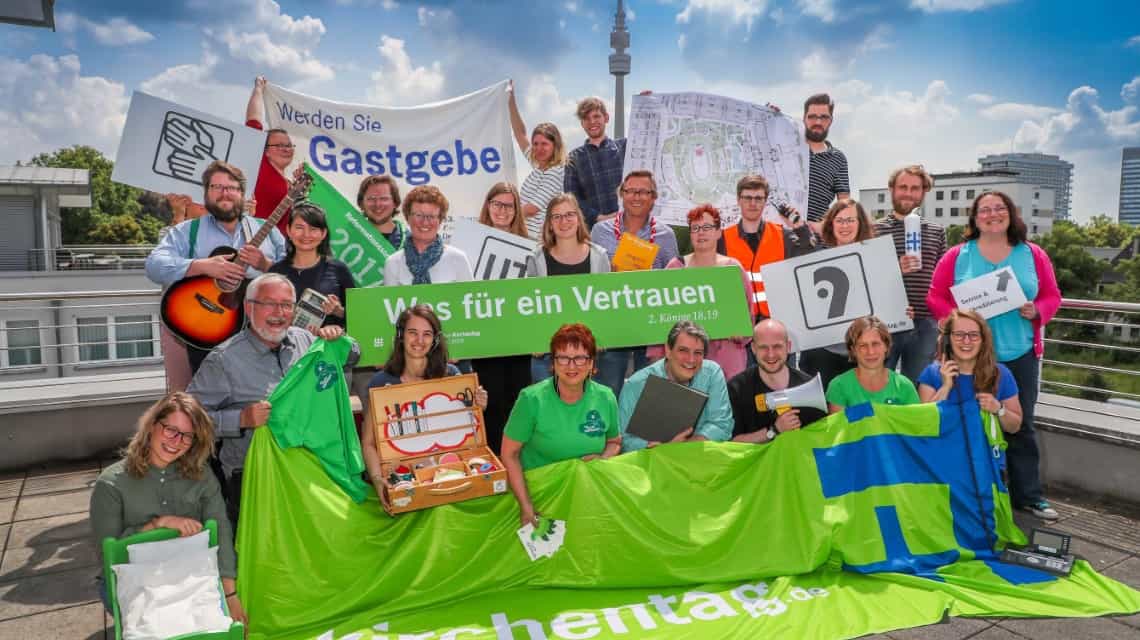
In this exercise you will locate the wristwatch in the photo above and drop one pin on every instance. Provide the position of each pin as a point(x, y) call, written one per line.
point(771, 435)
point(1000, 412)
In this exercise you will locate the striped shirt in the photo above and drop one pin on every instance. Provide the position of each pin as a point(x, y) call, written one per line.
point(917, 283)
point(539, 188)
point(593, 173)
point(827, 178)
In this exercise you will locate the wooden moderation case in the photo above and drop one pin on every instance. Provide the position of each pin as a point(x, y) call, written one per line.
point(418, 423)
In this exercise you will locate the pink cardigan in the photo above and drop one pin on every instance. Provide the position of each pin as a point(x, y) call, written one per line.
point(941, 302)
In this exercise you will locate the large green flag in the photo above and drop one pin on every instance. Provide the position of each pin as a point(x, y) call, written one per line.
point(875, 519)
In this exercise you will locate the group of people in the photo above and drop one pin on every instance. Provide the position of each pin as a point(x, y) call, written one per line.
point(576, 400)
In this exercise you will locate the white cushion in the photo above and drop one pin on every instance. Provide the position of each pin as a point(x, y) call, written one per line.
point(167, 549)
point(170, 598)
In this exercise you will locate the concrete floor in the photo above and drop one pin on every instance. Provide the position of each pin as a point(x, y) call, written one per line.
point(48, 565)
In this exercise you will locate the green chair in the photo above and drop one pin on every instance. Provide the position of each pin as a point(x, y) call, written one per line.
point(115, 552)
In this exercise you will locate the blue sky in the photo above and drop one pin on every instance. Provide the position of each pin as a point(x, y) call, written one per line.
point(938, 82)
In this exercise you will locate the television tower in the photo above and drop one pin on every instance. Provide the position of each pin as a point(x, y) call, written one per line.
point(619, 68)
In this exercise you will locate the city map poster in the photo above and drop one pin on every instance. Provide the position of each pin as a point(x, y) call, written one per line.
point(698, 146)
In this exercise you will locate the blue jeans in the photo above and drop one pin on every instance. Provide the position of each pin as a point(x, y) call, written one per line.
point(914, 347)
point(1022, 456)
point(613, 364)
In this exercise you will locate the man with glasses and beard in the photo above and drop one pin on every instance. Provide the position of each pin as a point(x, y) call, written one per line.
point(238, 375)
point(770, 345)
point(827, 175)
point(184, 249)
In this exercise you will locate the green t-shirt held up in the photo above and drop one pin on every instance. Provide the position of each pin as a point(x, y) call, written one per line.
point(551, 430)
point(845, 391)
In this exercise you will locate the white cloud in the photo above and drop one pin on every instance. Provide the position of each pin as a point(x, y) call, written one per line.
point(738, 11)
point(194, 85)
point(877, 39)
point(1082, 125)
point(1016, 111)
point(399, 81)
point(822, 9)
point(681, 41)
point(116, 32)
point(980, 98)
point(572, 7)
point(264, 40)
point(1130, 92)
point(935, 6)
point(272, 56)
point(818, 67)
point(1134, 41)
point(49, 104)
point(434, 18)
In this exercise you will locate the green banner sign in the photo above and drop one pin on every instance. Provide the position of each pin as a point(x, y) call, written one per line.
point(511, 317)
point(353, 239)
point(864, 522)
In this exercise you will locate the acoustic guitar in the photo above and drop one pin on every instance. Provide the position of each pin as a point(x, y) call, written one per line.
point(202, 311)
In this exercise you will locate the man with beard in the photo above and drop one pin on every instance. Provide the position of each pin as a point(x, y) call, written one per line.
point(183, 251)
point(379, 199)
point(770, 345)
point(238, 375)
point(827, 175)
point(915, 348)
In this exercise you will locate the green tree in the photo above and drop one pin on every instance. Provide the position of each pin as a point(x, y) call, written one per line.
point(1097, 381)
point(955, 234)
point(1103, 231)
point(110, 201)
point(1077, 271)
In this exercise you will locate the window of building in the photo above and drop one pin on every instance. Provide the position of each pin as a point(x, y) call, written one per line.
point(882, 198)
point(23, 344)
point(954, 212)
point(938, 212)
point(93, 339)
point(938, 195)
point(969, 194)
point(134, 337)
point(1116, 331)
point(954, 194)
point(1036, 195)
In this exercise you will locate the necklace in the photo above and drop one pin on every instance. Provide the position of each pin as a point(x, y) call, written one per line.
point(652, 227)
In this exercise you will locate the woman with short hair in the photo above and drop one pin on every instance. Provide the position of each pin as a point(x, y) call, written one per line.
point(164, 481)
point(425, 259)
point(568, 416)
point(868, 343)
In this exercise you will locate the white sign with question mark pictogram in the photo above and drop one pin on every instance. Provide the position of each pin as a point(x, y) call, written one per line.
point(818, 295)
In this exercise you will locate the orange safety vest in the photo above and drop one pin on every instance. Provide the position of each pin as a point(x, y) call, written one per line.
point(771, 249)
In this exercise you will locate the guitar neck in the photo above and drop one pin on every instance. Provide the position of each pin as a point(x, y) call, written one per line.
point(271, 221)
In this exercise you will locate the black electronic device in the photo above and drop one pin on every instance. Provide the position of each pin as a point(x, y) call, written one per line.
point(1048, 551)
point(785, 210)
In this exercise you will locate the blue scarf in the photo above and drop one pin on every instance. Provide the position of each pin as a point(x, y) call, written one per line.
point(419, 263)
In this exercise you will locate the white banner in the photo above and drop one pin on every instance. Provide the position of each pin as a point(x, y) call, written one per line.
point(493, 254)
point(462, 145)
point(990, 295)
point(818, 295)
point(698, 147)
point(165, 147)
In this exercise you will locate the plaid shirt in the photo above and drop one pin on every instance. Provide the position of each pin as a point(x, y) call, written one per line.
point(593, 174)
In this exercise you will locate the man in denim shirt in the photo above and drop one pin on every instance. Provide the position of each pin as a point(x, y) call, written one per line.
point(594, 170)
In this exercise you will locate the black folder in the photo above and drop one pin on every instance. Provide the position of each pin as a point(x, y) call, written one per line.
point(665, 409)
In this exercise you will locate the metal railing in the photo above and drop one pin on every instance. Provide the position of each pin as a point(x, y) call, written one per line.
point(43, 332)
point(1094, 351)
point(77, 258)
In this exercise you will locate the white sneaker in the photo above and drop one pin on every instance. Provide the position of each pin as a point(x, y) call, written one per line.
point(1042, 510)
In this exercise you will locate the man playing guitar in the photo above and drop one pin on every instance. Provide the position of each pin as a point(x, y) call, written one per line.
point(184, 250)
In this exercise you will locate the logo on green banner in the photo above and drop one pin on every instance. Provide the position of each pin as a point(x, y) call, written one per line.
point(353, 239)
point(512, 317)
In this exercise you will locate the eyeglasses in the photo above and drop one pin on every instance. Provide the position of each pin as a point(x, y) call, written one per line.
point(697, 228)
point(282, 145)
point(378, 199)
point(637, 193)
point(224, 188)
point(817, 118)
point(425, 217)
point(169, 432)
point(753, 199)
point(559, 217)
point(577, 361)
point(966, 336)
point(998, 210)
point(845, 222)
point(501, 206)
point(287, 307)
